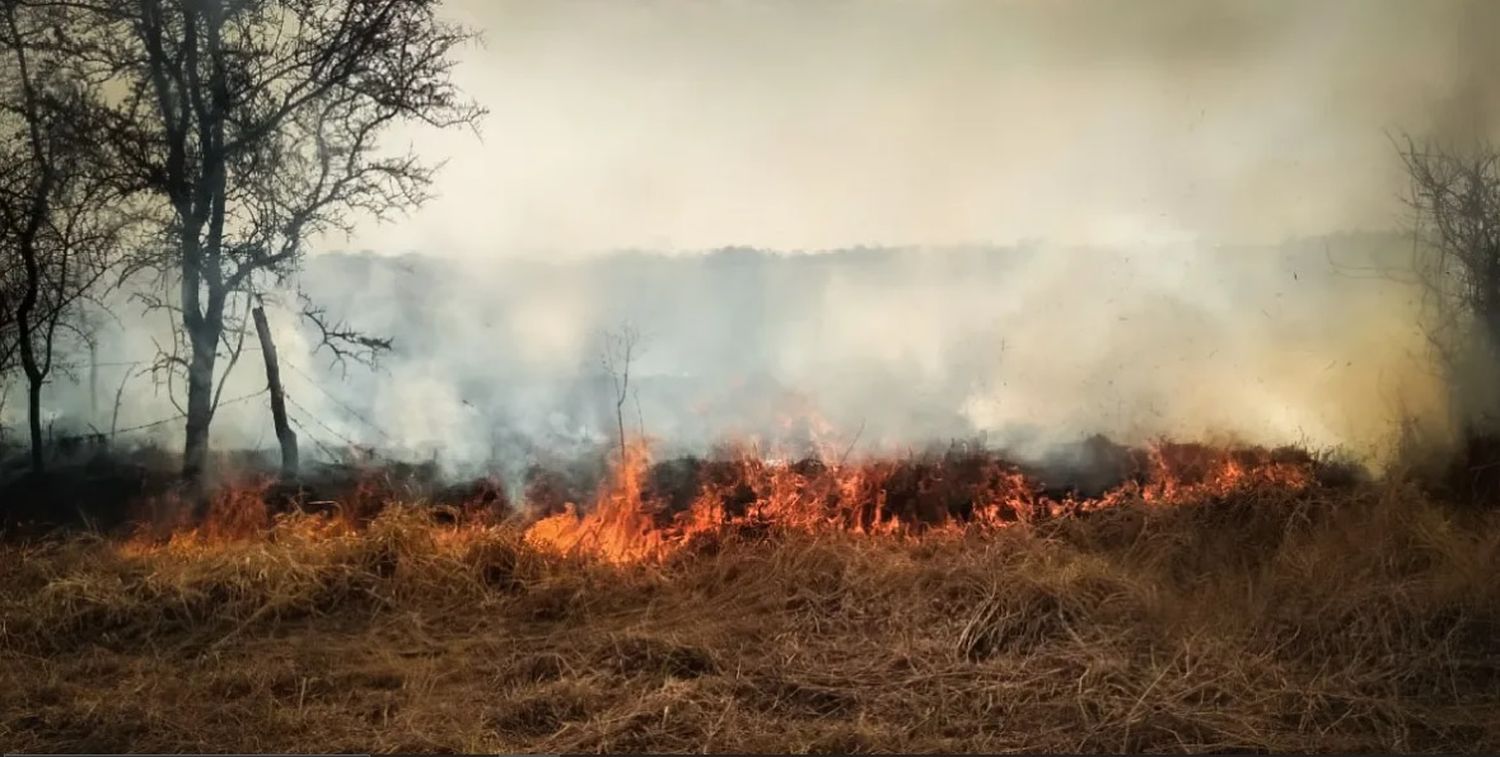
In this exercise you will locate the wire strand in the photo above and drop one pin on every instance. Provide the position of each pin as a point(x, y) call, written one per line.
point(343, 405)
point(162, 421)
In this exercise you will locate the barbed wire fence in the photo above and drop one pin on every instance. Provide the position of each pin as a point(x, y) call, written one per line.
point(340, 403)
point(178, 416)
point(332, 455)
point(309, 424)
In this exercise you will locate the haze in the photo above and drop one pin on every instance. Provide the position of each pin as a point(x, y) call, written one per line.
point(1095, 217)
point(811, 125)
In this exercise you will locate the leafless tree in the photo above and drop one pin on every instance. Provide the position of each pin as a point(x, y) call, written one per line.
point(619, 350)
point(256, 124)
point(59, 222)
point(1455, 196)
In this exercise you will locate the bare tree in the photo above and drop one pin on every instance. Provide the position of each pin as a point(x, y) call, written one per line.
point(1455, 196)
point(59, 231)
point(256, 123)
point(618, 352)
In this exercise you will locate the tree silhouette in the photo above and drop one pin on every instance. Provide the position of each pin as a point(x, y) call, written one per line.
point(255, 125)
point(1455, 195)
point(60, 213)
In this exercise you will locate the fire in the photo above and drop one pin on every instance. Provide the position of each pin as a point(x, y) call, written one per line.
point(646, 512)
point(620, 526)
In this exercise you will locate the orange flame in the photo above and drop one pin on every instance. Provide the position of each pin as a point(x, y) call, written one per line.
point(968, 490)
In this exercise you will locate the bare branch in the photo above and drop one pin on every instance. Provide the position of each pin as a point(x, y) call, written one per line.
point(342, 342)
point(1454, 194)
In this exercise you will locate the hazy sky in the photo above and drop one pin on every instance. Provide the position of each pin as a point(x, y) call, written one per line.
point(801, 125)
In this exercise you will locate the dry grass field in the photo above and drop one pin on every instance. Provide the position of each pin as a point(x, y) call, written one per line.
point(1257, 617)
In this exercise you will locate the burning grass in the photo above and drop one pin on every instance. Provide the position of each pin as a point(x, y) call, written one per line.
point(646, 512)
point(1208, 601)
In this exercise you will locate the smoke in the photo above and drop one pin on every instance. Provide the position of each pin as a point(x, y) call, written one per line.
point(1122, 218)
point(790, 125)
point(498, 365)
point(1029, 347)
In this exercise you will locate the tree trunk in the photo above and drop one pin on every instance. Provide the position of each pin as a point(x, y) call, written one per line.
point(26, 334)
point(199, 409)
point(34, 416)
point(34, 379)
point(284, 433)
point(94, 384)
point(620, 424)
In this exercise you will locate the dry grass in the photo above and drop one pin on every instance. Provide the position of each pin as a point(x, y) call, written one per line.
point(1360, 620)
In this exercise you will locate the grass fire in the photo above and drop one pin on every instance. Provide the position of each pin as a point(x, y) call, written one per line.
point(525, 376)
point(1208, 599)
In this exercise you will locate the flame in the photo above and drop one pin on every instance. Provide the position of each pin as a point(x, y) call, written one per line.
point(647, 511)
point(619, 527)
point(965, 490)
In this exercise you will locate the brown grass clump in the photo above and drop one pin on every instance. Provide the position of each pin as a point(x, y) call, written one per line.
point(1362, 619)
